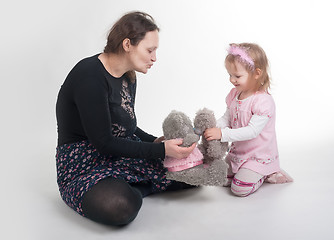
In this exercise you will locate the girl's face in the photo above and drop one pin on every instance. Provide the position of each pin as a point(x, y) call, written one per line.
point(240, 78)
point(143, 55)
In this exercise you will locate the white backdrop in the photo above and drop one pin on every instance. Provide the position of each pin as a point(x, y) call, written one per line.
point(42, 40)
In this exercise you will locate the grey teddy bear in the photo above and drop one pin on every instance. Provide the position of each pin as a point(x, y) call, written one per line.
point(213, 171)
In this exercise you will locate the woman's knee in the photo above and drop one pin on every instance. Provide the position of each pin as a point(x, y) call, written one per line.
point(112, 203)
point(127, 210)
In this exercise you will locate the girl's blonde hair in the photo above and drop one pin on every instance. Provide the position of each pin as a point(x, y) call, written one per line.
point(259, 60)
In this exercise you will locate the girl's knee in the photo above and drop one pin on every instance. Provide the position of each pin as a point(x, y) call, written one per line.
point(246, 182)
point(241, 189)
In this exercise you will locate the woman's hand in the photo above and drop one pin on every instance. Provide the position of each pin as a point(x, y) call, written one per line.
point(159, 140)
point(173, 149)
point(213, 134)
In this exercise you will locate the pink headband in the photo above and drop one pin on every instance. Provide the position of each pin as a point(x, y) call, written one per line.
point(241, 52)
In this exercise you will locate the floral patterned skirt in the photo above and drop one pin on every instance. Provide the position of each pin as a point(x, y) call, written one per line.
point(80, 166)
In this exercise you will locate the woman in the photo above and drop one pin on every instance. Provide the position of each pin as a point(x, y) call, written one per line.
point(105, 163)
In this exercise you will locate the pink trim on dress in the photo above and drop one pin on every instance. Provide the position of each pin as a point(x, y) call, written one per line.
point(175, 165)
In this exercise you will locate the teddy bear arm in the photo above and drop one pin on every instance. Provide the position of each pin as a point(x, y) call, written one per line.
point(189, 140)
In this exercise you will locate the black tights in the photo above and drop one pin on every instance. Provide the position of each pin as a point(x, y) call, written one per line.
point(112, 202)
point(115, 202)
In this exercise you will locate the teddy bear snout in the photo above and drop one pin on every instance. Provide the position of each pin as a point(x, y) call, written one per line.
point(198, 131)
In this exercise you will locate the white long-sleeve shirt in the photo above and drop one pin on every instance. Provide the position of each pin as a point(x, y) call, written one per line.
point(254, 128)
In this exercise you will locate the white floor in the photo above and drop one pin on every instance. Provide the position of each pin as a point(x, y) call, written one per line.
point(42, 40)
point(301, 210)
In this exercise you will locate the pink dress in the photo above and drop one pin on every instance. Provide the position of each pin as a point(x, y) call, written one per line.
point(259, 154)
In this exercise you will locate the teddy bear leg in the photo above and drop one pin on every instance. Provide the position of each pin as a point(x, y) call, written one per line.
point(217, 173)
point(193, 176)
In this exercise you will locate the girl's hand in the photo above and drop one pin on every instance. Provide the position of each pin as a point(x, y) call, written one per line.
point(213, 134)
point(173, 149)
point(159, 140)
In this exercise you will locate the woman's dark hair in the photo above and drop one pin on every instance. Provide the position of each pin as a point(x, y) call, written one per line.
point(134, 26)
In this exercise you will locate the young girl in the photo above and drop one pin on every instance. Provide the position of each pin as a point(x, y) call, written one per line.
point(249, 121)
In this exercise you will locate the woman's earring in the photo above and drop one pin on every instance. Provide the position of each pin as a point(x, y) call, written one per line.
point(262, 83)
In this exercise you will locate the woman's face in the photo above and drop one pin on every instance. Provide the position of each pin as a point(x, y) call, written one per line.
point(143, 55)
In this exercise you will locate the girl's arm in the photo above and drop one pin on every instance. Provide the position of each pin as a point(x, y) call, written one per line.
point(224, 121)
point(252, 130)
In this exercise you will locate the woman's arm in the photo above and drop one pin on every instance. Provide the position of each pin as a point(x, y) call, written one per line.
point(144, 136)
point(91, 99)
